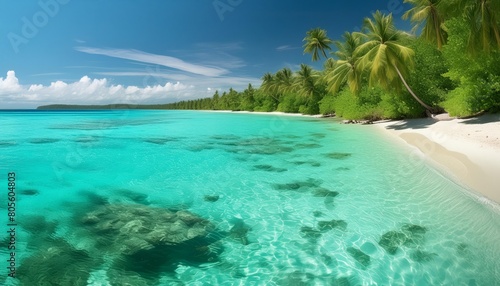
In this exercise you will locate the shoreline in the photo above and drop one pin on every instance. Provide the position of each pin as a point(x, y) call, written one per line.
point(279, 113)
point(465, 150)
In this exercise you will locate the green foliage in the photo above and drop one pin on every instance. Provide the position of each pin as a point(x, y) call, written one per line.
point(290, 103)
point(326, 105)
point(363, 106)
point(477, 77)
point(426, 79)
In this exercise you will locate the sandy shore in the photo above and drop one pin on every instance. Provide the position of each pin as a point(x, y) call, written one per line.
point(264, 113)
point(467, 150)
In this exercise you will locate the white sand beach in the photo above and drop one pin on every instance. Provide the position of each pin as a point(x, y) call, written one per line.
point(467, 150)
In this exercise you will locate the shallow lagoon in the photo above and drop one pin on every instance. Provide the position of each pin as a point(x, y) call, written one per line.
point(251, 199)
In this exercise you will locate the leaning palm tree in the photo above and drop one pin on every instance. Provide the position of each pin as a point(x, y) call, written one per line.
point(384, 54)
point(430, 14)
point(346, 68)
point(317, 42)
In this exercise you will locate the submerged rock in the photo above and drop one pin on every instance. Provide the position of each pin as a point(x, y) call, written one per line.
point(332, 224)
point(59, 264)
point(338, 156)
point(322, 192)
point(29, 192)
point(308, 145)
point(4, 143)
point(422, 256)
point(211, 198)
point(43, 140)
point(360, 256)
point(415, 234)
point(131, 228)
point(410, 235)
point(239, 231)
point(312, 163)
point(269, 168)
point(462, 248)
point(298, 185)
point(309, 232)
point(392, 240)
point(318, 213)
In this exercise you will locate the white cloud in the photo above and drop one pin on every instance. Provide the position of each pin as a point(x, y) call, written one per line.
point(161, 60)
point(84, 91)
point(10, 83)
point(286, 48)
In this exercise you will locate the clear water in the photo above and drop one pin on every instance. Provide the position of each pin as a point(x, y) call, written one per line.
point(271, 177)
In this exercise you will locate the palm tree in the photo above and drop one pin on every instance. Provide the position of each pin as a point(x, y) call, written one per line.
point(284, 80)
point(346, 68)
point(317, 42)
point(384, 55)
point(483, 17)
point(305, 81)
point(268, 83)
point(430, 13)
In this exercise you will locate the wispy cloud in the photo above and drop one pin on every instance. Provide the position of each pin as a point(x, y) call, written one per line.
point(286, 48)
point(161, 60)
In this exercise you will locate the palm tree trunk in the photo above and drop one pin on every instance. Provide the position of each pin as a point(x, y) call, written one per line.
point(427, 107)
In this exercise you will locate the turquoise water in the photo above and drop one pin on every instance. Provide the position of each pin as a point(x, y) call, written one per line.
point(270, 200)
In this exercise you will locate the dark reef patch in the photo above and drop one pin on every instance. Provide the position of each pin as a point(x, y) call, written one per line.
point(360, 256)
point(86, 139)
point(298, 186)
point(311, 163)
point(332, 224)
point(338, 155)
point(161, 141)
point(318, 213)
point(59, 264)
point(239, 231)
point(310, 232)
point(318, 135)
point(409, 235)
point(43, 140)
point(422, 256)
point(308, 145)
point(392, 240)
point(269, 168)
point(38, 226)
point(323, 192)
point(343, 169)
point(224, 137)
point(4, 143)
point(28, 192)
point(211, 198)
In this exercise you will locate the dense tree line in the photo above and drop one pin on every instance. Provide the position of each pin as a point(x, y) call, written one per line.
point(382, 72)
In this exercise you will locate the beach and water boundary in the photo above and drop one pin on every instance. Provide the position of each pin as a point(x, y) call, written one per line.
point(464, 150)
point(168, 159)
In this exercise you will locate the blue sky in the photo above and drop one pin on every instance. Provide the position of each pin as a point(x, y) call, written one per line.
point(96, 52)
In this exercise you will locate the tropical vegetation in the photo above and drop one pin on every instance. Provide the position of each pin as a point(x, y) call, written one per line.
point(450, 62)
